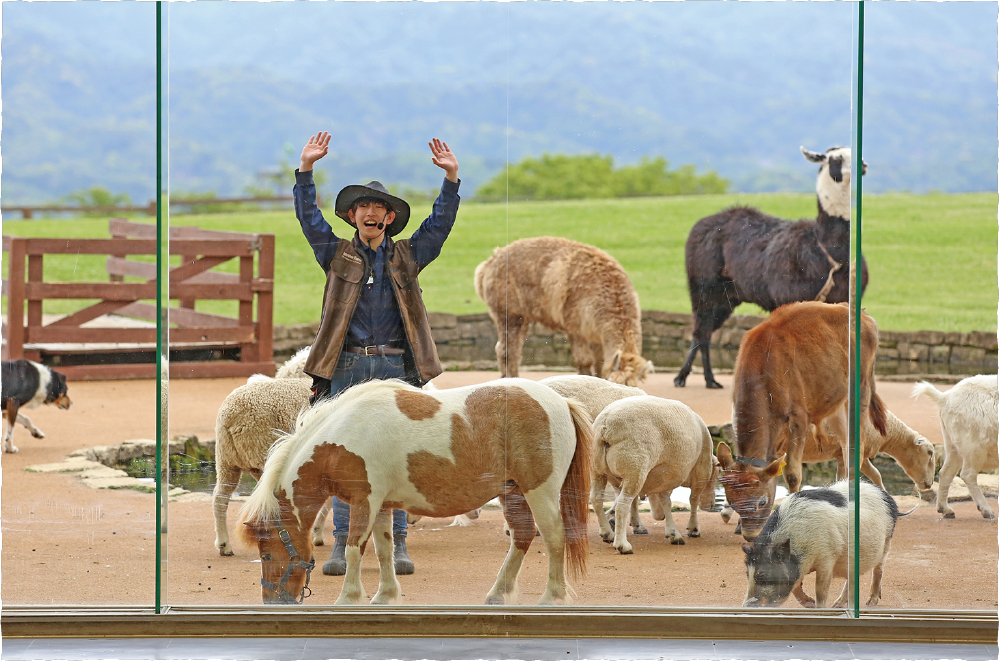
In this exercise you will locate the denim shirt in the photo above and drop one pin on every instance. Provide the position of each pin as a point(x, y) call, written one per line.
point(376, 318)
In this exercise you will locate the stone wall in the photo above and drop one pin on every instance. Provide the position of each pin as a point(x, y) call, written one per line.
point(469, 341)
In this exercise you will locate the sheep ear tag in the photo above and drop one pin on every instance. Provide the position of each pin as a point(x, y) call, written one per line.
point(780, 471)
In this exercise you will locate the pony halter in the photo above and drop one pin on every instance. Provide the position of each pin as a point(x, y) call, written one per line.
point(280, 587)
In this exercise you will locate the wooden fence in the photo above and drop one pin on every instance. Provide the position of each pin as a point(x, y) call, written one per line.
point(65, 340)
point(28, 211)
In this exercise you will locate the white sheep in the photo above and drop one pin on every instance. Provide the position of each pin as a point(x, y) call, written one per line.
point(651, 445)
point(969, 421)
point(248, 422)
point(595, 394)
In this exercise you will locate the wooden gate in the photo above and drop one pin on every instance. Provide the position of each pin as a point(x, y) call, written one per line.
point(122, 352)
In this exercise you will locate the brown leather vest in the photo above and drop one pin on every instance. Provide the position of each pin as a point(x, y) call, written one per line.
point(343, 289)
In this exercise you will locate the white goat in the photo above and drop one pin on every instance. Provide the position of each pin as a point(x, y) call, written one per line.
point(650, 445)
point(248, 423)
point(969, 421)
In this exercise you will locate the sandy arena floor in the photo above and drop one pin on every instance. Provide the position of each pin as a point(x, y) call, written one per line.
point(64, 543)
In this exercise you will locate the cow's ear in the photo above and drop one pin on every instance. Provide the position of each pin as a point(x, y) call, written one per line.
point(774, 469)
point(724, 455)
point(783, 550)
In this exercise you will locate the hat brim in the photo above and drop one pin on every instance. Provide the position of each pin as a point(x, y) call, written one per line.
point(346, 198)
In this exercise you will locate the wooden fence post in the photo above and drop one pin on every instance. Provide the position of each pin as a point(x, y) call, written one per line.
point(265, 300)
point(15, 299)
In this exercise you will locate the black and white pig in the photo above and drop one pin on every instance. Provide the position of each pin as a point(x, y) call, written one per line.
point(809, 532)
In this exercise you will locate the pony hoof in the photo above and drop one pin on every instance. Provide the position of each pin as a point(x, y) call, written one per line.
point(38, 434)
point(988, 515)
point(226, 551)
point(12, 449)
point(494, 601)
point(713, 385)
point(693, 533)
point(640, 531)
point(949, 515)
point(607, 538)
point(626, 550)
point(680, 381)
point(677, 541)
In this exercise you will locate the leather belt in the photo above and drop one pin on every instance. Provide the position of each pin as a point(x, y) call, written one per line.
point(376, 350)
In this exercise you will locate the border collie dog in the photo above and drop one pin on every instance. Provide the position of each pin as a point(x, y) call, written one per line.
point(29, 385)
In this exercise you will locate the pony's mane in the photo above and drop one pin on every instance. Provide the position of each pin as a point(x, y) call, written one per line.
point(262, 504)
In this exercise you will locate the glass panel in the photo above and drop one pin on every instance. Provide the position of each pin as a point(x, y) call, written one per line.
point(79, 301)
point(929, 239)
point(381, 107)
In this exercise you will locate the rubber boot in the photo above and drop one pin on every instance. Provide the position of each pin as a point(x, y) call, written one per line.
point(337, 564)
point(403, 565)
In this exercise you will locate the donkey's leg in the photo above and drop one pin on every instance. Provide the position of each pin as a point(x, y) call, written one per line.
point(389, 590)
point(521, 521)
point(319, 526)
point(226, 480)
point(544, 502)
point(361, 523)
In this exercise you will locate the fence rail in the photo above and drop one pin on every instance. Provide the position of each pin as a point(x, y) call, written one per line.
point(28, 211)
point(201, 251)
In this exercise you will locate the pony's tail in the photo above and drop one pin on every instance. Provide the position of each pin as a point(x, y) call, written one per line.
point(575, 495)
point(878, 413)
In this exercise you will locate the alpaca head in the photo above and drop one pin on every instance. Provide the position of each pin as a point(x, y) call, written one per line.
point(833, 182)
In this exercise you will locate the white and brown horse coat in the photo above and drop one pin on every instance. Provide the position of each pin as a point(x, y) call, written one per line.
point(565, 286)
point(386, 445)
point(791, 372)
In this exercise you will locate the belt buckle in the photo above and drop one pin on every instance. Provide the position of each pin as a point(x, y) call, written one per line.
point(368, 352)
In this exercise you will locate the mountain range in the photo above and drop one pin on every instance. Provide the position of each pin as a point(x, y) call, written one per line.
point(730, 87)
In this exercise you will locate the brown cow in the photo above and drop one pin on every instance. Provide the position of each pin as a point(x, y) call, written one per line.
point(566, 286)
point(791, 372)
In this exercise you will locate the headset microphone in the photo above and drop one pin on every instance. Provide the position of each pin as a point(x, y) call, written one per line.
point(381, 226)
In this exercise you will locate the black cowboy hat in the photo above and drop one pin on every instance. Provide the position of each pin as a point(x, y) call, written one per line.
point(346, 198)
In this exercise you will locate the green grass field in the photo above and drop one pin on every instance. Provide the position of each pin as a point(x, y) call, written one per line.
point(932, 258)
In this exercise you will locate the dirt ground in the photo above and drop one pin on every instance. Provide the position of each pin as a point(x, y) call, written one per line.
point(65, 543)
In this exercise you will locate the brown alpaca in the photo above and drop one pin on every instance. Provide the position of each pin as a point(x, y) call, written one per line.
point(565, 286)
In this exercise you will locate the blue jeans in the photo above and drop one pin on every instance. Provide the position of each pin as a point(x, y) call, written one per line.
point(352, 369)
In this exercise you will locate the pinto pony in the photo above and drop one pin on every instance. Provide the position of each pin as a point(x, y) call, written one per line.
point(791, 372)
point(386, 445)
